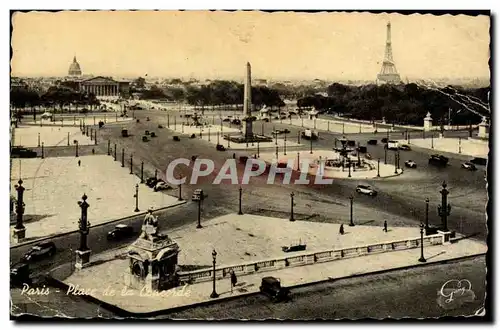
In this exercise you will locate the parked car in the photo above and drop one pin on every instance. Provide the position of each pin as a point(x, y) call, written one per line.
point(146, 132)
point(294, 247)
point(365, 190)
point(220, 147)
point(145, 138)
point(20, 274)
point(372, 142)
point(404, 147)
point(236, 122)
point(152, 134)
point(160, 126)
point(469, 166)
point(161, 185)
point(120, 231)
point(176, 138)
point(479, 161)
point(410, 164)
point(21, 152)
point(281, 131)
point(438, 160)
point(39, 252)
point(271, 287)
point(151, 182)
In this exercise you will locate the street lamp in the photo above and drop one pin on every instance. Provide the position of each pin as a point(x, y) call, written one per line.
point(276, 153)
point(39, 140)
point(311, 144)
point(200, 198)
point(291, 206)
point(180, 192)
point(109, 146)
point(395, 163)
point(422, 259)
point(115, 152)
point(142, 171)
point(284, 145)
point(444, 209)
point(378, 168)
point(385, 154)
point(426, 215)
point(240, 212)
point(123, 157)
point(349, 165)
point(19, 229)
point(214, 293)
point(131, 164)
point(351, 200)
point(43, 154)
point(136, 198)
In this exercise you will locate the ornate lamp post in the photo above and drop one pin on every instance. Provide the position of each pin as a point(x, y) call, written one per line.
point(43, 153)
point(240, 212)
point(291, 206)
point(19, 229)
point(378, 168)
point(115, 152)
point(426, 215)
point(459, 145)
point(83, 252)
point(258, 149)
point(131, 164)
point(349, 165)
point(385, 154)
point(123, 157)
point(395, 163)
point(180, 192)
point(109, 145)
point(142, 171)
point(276, 153)
point(214, 293)
point(200, 199)
point(76, 148)
point(351, 201)
point(136, 196)
point(422, 259)
point(38, 139)
point(298, 137)
point(444, 209)
point(168, 120)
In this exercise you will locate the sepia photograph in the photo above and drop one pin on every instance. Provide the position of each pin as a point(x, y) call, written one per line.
point(249, 165)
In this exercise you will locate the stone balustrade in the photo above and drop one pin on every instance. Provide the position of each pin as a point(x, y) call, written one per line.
point(307, 259)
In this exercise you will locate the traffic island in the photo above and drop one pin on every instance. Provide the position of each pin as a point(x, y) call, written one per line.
point(470, 147)
point(51, 136)
point(247, 245)
point(54, 185)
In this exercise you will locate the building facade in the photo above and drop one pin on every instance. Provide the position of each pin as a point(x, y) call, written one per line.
point(74, 68)
point(105, 87)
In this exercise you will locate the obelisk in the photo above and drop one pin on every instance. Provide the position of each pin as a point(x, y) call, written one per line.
point(247, 103)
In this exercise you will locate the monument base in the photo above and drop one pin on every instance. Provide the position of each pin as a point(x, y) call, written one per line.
point(446, 236)
point(82, 259)
point(19, 234)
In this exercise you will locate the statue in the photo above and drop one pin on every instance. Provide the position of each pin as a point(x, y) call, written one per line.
point(149, 226)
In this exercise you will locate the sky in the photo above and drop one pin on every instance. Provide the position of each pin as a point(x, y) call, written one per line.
point(200, 44)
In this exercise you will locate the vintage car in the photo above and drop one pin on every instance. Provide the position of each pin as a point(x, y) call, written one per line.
point(469, 166)
point(294, 247)
point(365, 190)
point(372, 142)
point(21, 152)
point(404, 147)
point(438, 160)
point(271, 287)
point(220, 147)
point(39, 252)
point(120, 231)
point(410, 164)
point(161, 185)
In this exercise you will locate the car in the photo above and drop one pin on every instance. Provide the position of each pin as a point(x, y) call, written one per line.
point(46, 115)
point(410, 164)
point(160, 126)
point(39, 252)
point(161, 185)
point(145, 138)
point(120, 231)
point(20, 274)
point(220, 147)
point(372, 142)
point(384, 140)
point(479, 161)
point(21, 152)
point(152, 134)
point(351, 143)
point(226, 119)
point(176, 138)
point(365, 190)
point(146, 132)
point(151, 182)
point(469, 166)
point(236, 122)
point(361, 149)
point(294, 247)
point(266, 120)
point(404, 147)
point(438, 160)
point(271, 287)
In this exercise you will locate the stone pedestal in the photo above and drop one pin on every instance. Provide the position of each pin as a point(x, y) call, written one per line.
point(446, 235)
point(428, 122)
point(152, 263)
point(483, 129)
point(82, 259)
point(19, 234)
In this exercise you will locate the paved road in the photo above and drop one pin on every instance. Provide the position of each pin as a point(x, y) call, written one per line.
point(396, 294)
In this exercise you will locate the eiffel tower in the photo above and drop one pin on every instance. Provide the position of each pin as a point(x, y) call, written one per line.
point(388, 73)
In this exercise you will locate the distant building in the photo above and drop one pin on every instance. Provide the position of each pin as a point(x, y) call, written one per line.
point(105, 87)
point(74, 69)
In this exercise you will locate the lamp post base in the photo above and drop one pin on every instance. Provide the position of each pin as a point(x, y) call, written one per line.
point(82, 259)
point(136, 210)
point(422, 259)
point(240, 213)
point(214, 295)
point(351, 225)
point(19, 234)
point(199, 226)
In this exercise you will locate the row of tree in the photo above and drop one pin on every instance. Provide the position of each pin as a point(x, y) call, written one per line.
point(405, 104)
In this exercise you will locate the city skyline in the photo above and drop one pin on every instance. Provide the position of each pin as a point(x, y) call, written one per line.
point(211, 45)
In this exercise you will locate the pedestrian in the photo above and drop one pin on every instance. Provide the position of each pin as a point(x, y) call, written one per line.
point(93, 151)
point(341, 230)
point(234, 280)
point(385, 226)
point(79, 162)
point(234, 155)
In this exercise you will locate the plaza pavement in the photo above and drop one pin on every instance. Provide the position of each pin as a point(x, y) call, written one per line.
point(334, 126)
point(240, 238)
point(470, 147)
point(370, 172)
point(54, 186)
point(51, 136)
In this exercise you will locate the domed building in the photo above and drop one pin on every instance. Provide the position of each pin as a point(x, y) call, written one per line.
point(74, 68)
